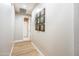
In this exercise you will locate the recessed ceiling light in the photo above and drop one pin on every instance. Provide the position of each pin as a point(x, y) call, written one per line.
point(24, 6)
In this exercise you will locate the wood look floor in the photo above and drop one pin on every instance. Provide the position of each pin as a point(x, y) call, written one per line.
point(24, 49)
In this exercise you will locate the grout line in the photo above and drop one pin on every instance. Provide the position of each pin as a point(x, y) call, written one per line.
point(41, 54)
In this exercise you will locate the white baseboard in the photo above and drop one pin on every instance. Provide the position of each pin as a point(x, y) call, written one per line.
point(41, 54)
point(20, 41)
point(11, 49)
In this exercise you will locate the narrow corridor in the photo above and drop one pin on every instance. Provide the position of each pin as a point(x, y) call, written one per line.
point(39, 29)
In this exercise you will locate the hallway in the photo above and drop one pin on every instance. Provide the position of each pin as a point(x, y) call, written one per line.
point(39, 29)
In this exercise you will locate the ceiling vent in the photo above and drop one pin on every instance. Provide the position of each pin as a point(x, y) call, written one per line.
point(22, 11)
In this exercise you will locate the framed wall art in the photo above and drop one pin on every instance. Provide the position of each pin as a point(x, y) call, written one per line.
point(40, 21)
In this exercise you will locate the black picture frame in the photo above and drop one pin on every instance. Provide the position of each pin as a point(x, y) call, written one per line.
point(40, 21)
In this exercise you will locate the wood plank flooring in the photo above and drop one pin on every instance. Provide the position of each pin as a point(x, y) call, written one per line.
point(24, 49)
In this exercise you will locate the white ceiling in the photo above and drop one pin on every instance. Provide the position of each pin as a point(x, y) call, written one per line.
point(28, 6)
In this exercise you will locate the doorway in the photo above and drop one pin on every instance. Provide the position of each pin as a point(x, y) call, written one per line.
point(25, 27)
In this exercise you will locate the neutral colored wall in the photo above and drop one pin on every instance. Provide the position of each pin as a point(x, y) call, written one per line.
point(58, 38)
point(76, 29)
point(13, 20)
point(19, 22)
point(6, 28)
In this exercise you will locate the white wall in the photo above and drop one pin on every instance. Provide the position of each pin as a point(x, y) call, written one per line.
point(76, 29)
point(19, 23)
point(58, 38)
point(6, 28)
